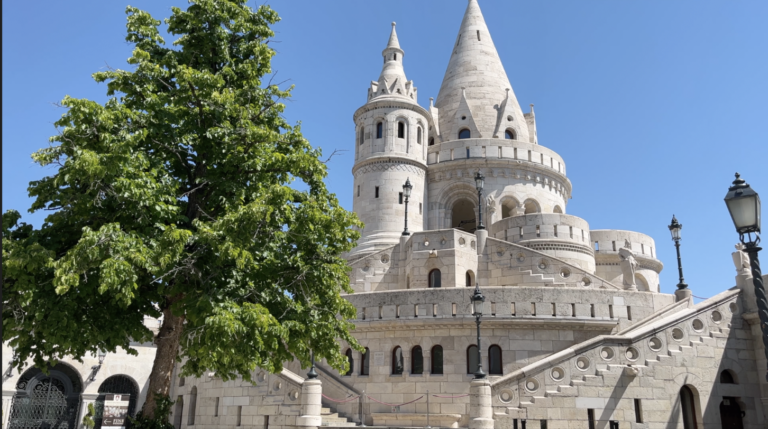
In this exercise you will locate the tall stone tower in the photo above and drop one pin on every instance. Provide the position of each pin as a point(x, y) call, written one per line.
point(390, 131)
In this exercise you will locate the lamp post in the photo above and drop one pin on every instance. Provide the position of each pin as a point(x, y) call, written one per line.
point(407, 194)
point(312, 374)
point(477, 311)
point(101, 355)
point(479, 183)
point(744, 207)
point(675, 228)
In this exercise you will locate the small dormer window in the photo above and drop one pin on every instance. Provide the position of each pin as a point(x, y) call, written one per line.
point(465, 134)
point(379, 130)
point(509, 134)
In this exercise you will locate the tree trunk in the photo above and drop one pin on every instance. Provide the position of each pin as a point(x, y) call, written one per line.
point(167, 342)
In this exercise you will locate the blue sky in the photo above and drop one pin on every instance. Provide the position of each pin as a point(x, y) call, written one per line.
point(653, 105)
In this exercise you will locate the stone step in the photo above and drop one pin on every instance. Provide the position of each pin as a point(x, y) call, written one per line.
point(325, 410)
point(330, 415)
point(339, 425)
point(334, 420)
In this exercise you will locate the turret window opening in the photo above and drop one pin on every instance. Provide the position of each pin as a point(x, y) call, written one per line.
point(400, 129)
point(395, 57)
point(358, 190)
point(432, 141)
point(465, 134)
point(365, 362)
point(417, 361)
point(362, 135)
point(470, 278)
point(478, 35)
point(420, 208)
point(509, 134)
point(400, 198)
point(377, 192)
point(435, 279)
point(418, 135)
point(397, 361)
point(437, 360)
point(467, 153)
point(379, 130)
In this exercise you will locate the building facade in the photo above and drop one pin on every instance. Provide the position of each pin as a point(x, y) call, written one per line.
point(575, 331)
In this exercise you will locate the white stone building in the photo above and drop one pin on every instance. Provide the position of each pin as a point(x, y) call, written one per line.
point(575, 333)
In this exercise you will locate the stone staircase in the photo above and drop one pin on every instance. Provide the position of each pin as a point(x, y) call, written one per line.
point(332, 419)
point(535, 279)
point(616, 370)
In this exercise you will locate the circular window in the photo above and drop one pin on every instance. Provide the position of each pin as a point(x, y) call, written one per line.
point(262, 376)
point(733, 307)
point(697, 325)
point(472, 244)
point(384, 259)
point(520, 257)
point(582, 363)
point(717, 317)
point(557, 373)
point(506, 396)
point(442, 241)
point(586, 282)
point(294, 395)
point(543, 264)
point(278, 385)
point(462, 242)
point(366, 268)
point(565, 273)
point(632, 354)
point(655, 344)
point(531, 385)
point(510, 118)
point(426, 243)
point(607, 353)
point(463, 118)
point(677, 334)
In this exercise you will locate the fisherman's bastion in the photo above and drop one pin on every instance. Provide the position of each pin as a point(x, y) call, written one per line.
point(575, 333)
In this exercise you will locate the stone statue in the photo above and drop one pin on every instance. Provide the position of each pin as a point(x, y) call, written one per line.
point(628, 266)
point(741, 260)
point(491, 210)
point(627, 244)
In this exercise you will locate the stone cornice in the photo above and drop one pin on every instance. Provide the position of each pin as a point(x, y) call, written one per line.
point(393, 103)
point(509, 322)
point(388, 159)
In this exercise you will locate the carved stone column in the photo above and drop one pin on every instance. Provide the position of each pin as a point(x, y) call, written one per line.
point(311, 404)
point(480, 406)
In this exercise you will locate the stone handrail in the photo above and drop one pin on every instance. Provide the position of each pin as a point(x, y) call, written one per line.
point(631, 336)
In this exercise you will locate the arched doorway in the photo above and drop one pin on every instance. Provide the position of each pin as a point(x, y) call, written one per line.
point(120, 385)
point(688, 408)
point(463, 215)
point(730, 414)
point(46, 401)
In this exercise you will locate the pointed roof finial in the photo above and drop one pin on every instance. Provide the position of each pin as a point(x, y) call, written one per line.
point(393, 43)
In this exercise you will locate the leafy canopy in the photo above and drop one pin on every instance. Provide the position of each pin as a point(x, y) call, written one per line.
point(178, 194)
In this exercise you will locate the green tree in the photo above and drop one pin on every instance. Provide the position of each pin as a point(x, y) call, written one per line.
point(178, 198)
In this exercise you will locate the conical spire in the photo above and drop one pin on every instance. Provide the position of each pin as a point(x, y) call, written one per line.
point(392, 81)
point(475, 65)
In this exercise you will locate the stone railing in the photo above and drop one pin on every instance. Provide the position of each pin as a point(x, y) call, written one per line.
point(496, 149)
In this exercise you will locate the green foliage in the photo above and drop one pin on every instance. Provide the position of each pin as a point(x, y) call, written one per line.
point(88, 417)
point(180, 191)
point(161, 418)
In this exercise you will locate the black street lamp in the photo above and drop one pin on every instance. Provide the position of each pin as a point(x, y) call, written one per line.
point(312, 374)
point(95, 369)
point(744, 206)
point(407, 194)
point(477, 310)
point(479, 182)
point(675, 228)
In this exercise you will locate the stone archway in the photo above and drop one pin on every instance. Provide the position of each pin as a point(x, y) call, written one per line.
point(448, 199)
point(51, 401)
point(463, 215)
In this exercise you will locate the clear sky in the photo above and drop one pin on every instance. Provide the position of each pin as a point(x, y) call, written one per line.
point(653, 104)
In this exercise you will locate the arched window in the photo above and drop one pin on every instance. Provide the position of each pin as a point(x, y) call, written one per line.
point(437, 360)
point(418, 135)
point(510, 134)
point(362, 135)
point(397, 361)
point(365, 362)
point(117, 384)
point(351, 362)
point(470, 278)
point(472, 361)
point(494, 360)
point(558, 210)
point(465, 134)
point(531, 207)
point(726, 377)
point(379, 130)
point(401, 130)
point(688, 405)
point(192, 406)
point(395, 57)
point(417, 361)
point(42, 400)
point(432, 141)
point(434, 278)
point(178, 412)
